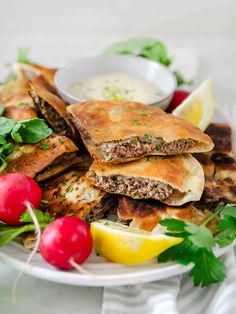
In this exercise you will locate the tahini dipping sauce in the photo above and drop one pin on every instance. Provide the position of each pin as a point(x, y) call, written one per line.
point(116, 86)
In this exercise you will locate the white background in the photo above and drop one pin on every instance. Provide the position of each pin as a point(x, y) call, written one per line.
point(60, 30)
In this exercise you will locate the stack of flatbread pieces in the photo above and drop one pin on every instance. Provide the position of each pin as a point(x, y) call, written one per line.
point(122, 160)
point(143, 155)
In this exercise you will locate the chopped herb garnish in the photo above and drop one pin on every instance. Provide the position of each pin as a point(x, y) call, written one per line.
point(135, 121)
point(63, 196)
point(44, 147)
point(149, 137)
point(44, 202)
point(61, 140)
point(189, 190)
point(145, 114)
point(70, 188)
point(23, 104)
point(134, 141)
point(158, 145)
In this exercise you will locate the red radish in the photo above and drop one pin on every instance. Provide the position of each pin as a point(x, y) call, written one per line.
point(16, 189)
point(65, 242)
point(178, 98)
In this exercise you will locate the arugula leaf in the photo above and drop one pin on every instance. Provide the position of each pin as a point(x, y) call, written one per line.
point(2, 109)
point(6, 125)
point(156, 52)
point(9, 233)
point(34, 130)
point(148, 48)
point(2, 140)
point(43, 217)
point(180, 79)
point(207, 269)
point(3, 164)
point(151, 49)
point(23, 55)
point(28, 131)
point(15, 135)
point(7, 149)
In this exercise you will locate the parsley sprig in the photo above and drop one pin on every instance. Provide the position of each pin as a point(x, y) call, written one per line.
point(198, 243)
point(11, 131)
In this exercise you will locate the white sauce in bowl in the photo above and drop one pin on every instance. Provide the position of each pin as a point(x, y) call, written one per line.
point(116, 86)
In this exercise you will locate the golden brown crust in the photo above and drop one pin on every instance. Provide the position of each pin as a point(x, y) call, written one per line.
point(223, 190)
point(127, 119)
point(30, 159)
point(42, 89)
point(18, 104)
point(30, 70)
point(183, 173)
point(221, 135)
point(71, 193)
point(206, 163)
point(145, 215)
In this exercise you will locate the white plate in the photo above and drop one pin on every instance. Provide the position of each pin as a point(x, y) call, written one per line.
point(102, 272)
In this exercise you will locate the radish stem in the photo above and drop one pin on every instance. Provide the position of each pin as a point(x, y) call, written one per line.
point(80, 268)
point(34, 251)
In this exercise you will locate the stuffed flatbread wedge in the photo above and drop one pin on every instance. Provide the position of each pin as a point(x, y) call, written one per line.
point(172, 180)
point(119, 131)
point(50, 106)
point(44, 159)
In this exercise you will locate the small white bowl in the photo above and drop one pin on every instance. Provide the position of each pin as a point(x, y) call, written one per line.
point(148, 70)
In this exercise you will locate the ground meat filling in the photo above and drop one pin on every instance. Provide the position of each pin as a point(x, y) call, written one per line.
point(57, 123)
point(134, 187)
point(138, 146)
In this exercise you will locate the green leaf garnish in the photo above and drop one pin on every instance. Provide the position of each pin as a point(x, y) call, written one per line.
point(6, 125)
point(28, 131)
point(181, 80)
point(198, 243)
point(148, 48)
point(227, 226)
point(43, 217)
point(2, 109)
point(23, 55)
point(158, 145)
point(207, 269)
point(144, 47)
point(34, 130)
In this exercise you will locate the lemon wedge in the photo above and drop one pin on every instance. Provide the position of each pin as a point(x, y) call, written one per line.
point(124, 245)
point(198, 107)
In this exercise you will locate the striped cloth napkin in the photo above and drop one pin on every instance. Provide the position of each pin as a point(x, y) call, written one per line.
point(177, 295)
